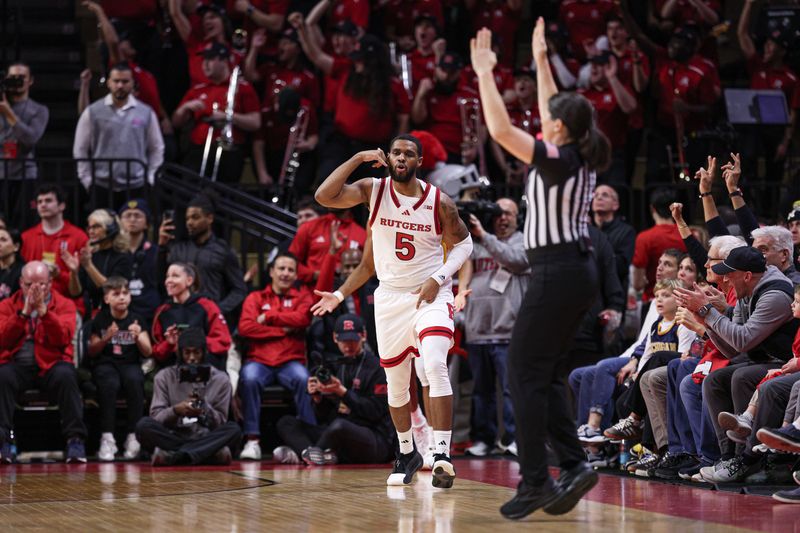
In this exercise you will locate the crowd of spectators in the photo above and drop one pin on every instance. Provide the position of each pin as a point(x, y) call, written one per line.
point(706, 391)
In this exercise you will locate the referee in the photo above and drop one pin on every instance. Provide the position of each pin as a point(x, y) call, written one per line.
point(563, 276)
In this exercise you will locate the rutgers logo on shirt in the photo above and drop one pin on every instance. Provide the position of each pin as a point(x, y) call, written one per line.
point(287, 302)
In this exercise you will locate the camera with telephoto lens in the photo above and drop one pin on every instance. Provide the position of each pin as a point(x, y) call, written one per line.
point(323, 374)
point(11, 83)
point(484, 210)
point(324, 370)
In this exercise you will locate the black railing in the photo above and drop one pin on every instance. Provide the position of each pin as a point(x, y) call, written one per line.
point(251, 225)
point(18, 203)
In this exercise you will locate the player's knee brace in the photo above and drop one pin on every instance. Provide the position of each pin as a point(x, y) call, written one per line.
point(397, 385)
point(434, 352)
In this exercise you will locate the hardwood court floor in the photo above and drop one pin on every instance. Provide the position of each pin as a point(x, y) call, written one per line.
point(266, 497)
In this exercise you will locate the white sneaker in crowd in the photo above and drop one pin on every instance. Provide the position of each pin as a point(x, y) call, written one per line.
point(251, 451)
point(285, 455)
point(132, 447)
point(479, 449)
point(108, 447)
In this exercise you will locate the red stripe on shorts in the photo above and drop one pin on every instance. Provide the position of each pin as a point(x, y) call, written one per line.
point(437, 331)
point(394, 361)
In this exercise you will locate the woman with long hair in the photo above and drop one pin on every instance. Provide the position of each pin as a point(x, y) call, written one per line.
point(563, 283)
point(105, 255)
point(186, 308)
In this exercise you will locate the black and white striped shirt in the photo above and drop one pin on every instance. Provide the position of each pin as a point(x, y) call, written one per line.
point(559, 194)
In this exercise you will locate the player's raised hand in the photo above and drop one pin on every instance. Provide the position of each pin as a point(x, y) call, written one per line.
point(327, 303)
point(481, 54)
point(379, 158)
point(427, 292)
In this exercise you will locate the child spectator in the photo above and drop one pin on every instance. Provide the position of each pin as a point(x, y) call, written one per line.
point(116, 345)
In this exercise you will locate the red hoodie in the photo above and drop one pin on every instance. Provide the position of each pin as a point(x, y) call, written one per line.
point(269, 343)
point(52, 334)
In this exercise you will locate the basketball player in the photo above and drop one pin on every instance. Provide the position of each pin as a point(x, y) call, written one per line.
point(564, 280)
point(409, 222)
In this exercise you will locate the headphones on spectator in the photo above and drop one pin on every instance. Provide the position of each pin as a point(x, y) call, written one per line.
point(112, 228)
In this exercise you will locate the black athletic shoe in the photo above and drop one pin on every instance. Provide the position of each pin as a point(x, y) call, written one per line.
point(444, 473)
point(572, 484)
point(405, 467)
point(672, 465)
point(528, 499)
point(787, 496)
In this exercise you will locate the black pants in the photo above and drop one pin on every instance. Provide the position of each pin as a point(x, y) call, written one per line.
point(109, 378)
point(61, 385)
point(730, 389)
point(351, 442)
point(773, 397)
point(150, 434)
point(561, 290)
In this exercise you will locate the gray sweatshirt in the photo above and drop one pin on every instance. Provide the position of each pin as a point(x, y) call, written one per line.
point(489, 314)
point(749, 328)
point(169, 391)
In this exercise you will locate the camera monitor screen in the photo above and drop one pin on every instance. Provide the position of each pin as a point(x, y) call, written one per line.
point(772, 109)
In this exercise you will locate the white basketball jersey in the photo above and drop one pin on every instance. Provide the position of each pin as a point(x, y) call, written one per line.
point(406, 235)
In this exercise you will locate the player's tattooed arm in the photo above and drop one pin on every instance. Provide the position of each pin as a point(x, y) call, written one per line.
point(453, 228)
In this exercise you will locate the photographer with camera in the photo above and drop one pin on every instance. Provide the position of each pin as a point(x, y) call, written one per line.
point(495, 281)
point(188, 422)
point(349, 399)
point(22, 122)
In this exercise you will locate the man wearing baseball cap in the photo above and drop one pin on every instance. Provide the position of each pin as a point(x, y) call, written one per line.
point(757, 338)
point(349, 399)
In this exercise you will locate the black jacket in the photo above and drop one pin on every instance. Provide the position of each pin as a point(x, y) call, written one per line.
point(622, 237)
point(221, 277)
point(366, 396)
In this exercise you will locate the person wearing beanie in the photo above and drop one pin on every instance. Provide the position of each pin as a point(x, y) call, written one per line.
point(188, 422)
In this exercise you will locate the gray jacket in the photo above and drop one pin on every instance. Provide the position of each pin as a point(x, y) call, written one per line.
point(749, 328)
point(490, 315)
point(32, 118)
point(169, 391)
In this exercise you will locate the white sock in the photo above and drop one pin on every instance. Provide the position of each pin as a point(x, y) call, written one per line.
point(406, 440)
point(442, 440)
point(796, 424)
point(417, 418)
point(747, 415)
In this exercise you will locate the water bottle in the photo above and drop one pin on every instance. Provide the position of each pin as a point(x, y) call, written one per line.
point(624, 455)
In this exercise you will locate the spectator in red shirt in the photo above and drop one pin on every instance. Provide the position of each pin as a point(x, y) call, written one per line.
point(288, 70)
point(274, 322)
point(401, 18)
point(681, 12)
point(613, 103)
point(270, 143)
point(685, 89)
point(356, 11)
point(503, 18)
point(213, 27)
point(36, 330)
point(585, 21)
point(121, 49)
point(52, 238)
point(428, 51)
point(267, 14)
point(312, 242)
point(144, 10)
point(197, 106)
point(768, 71)
point(371, 104)
point(651, 243)
point(436, 107)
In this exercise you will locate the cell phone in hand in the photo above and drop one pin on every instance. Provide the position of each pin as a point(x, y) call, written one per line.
point(168, 214)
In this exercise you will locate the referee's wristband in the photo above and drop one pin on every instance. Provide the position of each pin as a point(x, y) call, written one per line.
point(339, 296)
